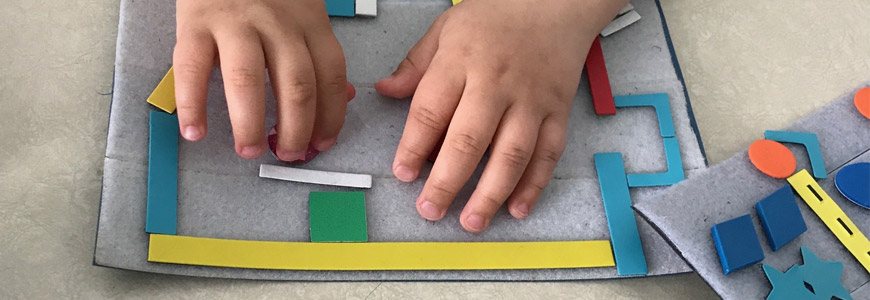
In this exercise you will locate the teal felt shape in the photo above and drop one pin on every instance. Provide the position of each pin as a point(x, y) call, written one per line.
point(787, 286)
point(809, 140)
point(853, 182)
point(674, 173)
point(658, 101)
point(624, 236)
point(162, 199)
point(337, 217)
point(780, 217)
point(737, 244)
point(341, 8)
point(823, 276)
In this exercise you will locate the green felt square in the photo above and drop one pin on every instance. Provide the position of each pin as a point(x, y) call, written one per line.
point(337, 217)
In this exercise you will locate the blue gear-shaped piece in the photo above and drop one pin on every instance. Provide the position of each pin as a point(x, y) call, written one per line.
point(815, 279)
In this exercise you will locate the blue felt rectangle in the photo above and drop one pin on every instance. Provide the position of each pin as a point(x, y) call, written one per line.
point(780, 217)
point(341, 8)
point(624, 236)
point(737, 244)
point(161, 212)
point(661, 104)
point(674, 173)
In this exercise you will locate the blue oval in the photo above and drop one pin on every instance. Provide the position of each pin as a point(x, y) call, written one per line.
point(853, 181)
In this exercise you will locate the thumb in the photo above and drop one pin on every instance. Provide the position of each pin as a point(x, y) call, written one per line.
point(403, 82)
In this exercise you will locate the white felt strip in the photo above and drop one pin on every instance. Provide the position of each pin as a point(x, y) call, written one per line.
point(628, 7)
point(368, 8)
point(316, 177)
point(620, 23)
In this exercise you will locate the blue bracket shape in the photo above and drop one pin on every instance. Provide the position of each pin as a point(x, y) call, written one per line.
point(809, 140)
point(162, 204)
point(675, 168)
point(624, 236)
point(341, 8)
point(659, 101)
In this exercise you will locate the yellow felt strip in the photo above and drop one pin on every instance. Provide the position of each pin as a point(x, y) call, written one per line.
point(832, 216)
point(456, 1)
point(378, 256)
point(163, 95)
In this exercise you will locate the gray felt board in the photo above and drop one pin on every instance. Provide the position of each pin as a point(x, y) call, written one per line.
point(220, 195)
point(731, 189)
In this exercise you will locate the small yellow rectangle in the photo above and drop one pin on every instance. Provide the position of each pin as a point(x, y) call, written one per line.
point(456, 2)
point(163, 96)
point(378, 256)
point(832, 216)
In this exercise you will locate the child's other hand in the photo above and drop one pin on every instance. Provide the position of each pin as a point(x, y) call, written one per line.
point(493, 72)
point(293, 40)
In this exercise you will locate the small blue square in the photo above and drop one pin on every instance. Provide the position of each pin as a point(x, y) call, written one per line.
point(737, 244)
point(780, 217)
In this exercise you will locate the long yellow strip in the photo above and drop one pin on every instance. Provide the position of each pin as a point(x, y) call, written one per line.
point(378, 256)
point(163, 95)
point(832, 216)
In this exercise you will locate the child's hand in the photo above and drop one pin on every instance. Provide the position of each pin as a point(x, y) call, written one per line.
point(293, 40)
point(499, 72)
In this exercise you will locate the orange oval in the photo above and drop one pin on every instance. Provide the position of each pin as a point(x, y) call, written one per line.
point(772, 158)
point(862, 101)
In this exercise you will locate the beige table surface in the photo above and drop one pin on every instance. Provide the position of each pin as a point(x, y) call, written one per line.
point(749, 65)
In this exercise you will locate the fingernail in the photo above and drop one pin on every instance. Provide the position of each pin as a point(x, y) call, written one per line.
point(430, 211)
point(475, 222)
point(404, 173)
point(522, 211)
point(251, 151)
point(325, 144)
point(290, 156)
point(192, 133)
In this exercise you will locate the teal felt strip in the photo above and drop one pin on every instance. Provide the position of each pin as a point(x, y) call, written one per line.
point(659, 101)
point(675, 171)
point(162, 206)
point(809, 140)
point(341, 8)
point(624, 236)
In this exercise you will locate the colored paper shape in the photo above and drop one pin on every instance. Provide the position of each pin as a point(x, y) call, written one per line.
point(780, 217)
point(163, 96)
point(834, 218)
point(627, 247)
point(823, 276)
point(737, 244)
point(853, 182)
point(809, 140)
point(340, 8)
point(378, 256)
point(659, 101)
point(772, 158)
point(674, 173)
point(787, 286)
point(162, 199)
point(862, 101)
point(599, 83)
point(337, 217)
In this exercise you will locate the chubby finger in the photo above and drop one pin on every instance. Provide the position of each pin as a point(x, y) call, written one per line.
point(510, 153)
point(291, 72)
point(548, 151)
point(243, 69)
point(428, 118)
point(331, 76)
point(404, 81)
point(471, 131)
point(193, 60)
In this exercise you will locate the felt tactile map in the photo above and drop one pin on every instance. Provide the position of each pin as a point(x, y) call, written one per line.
point(733, 187)
point(221, 196)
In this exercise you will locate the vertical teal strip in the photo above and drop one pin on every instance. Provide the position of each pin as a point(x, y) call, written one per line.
point(627, 248)
point(162, 207)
